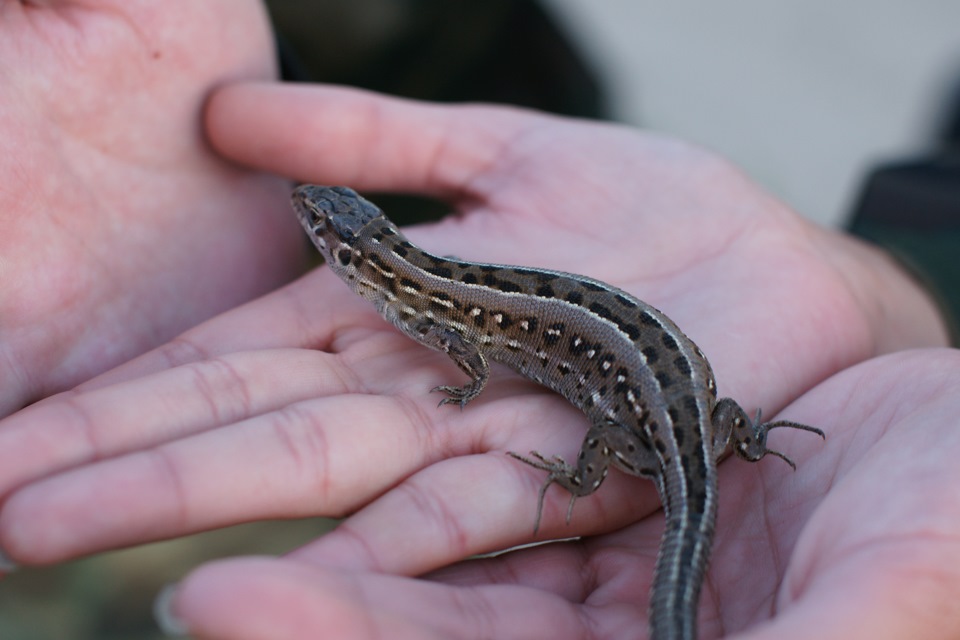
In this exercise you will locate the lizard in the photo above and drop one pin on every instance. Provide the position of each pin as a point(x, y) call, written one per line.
point(647, 389)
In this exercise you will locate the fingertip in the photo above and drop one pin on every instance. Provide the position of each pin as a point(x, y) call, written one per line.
point(226, 109)
point(164, 613)
point(7, 564)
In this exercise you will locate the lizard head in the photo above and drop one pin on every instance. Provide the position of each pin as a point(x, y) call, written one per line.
point(332, 216)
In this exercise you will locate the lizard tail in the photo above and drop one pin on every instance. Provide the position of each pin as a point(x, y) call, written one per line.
point(681, 565)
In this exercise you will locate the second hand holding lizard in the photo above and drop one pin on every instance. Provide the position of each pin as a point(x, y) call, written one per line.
point(646, 388)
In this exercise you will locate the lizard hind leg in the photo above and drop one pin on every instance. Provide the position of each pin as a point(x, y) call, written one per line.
point(593, 463)
point(749, 437)
point(559, 472)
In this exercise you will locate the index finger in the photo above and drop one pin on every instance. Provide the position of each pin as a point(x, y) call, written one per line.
point(337, 135)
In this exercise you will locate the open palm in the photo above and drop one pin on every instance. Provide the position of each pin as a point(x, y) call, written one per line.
point(306, 403)
point(121, 228)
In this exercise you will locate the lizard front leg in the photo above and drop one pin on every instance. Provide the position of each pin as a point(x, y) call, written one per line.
point(463, 352)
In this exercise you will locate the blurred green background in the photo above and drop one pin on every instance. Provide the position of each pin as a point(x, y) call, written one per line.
point(110, 596)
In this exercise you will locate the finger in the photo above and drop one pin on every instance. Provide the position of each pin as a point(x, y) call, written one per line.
point(306, 314)
point(256, 598)
point(337, 135)
point(101, 423)
point(474, 504)
point(483, 503)
point(321, 457)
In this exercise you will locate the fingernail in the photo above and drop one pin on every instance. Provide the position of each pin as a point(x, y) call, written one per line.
point(7, 565)
point(168, 622)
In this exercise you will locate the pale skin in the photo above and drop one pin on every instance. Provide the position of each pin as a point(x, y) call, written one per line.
point(120, 227)
point(304, 402)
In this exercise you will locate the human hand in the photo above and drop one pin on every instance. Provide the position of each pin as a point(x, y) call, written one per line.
point(860, 542)
point(121, 228)
point(306, 403)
